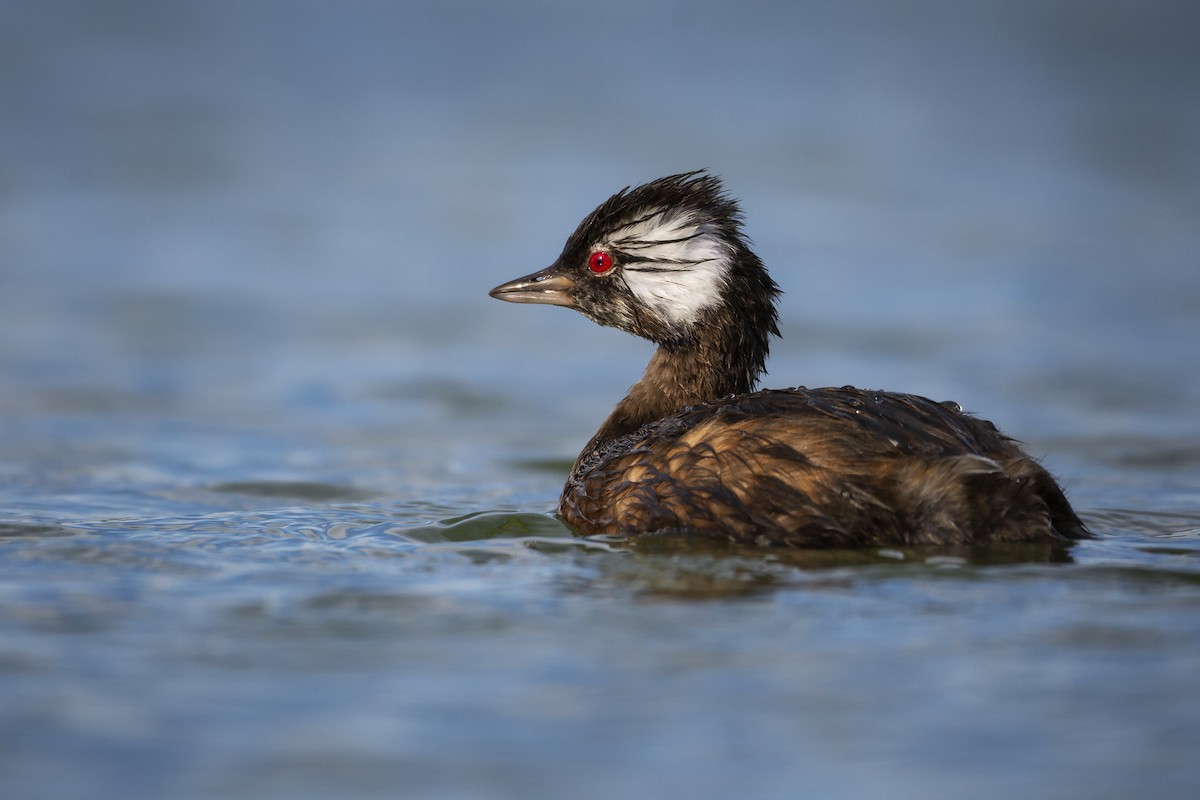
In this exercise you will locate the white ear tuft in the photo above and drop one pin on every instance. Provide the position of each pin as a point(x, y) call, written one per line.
point(672, 262)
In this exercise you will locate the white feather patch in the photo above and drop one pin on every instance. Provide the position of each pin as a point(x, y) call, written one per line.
point(685, 267)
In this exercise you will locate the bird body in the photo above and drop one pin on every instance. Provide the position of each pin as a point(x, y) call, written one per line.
point(818, 468)
point(694, 449)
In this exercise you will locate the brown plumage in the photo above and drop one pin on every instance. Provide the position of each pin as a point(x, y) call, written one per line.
point(692, 449)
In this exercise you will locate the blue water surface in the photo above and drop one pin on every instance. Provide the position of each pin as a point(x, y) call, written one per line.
point(276, 474)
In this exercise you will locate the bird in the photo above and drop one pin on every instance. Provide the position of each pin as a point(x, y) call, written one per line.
point(695, 450)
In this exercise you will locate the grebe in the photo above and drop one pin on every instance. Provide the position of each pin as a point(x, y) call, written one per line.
point(694, 449)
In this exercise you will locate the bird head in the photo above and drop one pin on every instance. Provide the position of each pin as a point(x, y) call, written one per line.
point(655, 260)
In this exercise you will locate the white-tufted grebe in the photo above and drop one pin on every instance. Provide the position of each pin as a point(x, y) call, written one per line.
point(694, 449)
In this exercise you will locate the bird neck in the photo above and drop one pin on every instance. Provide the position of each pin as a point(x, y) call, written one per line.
point(723, 355)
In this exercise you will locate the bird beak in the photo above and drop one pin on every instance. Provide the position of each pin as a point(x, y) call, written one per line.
point(550, 286)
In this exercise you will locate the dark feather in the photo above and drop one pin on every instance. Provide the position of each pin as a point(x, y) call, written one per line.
point(819, 467)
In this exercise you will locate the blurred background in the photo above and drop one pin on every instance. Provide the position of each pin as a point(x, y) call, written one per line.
point(245, 250)
point(232, 220)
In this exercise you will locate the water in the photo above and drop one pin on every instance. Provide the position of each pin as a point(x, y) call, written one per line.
point(275, 471)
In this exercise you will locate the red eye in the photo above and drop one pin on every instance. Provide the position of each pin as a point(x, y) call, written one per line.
point(600, 262)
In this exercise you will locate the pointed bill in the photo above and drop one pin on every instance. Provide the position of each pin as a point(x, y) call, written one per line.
point(550, 286)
